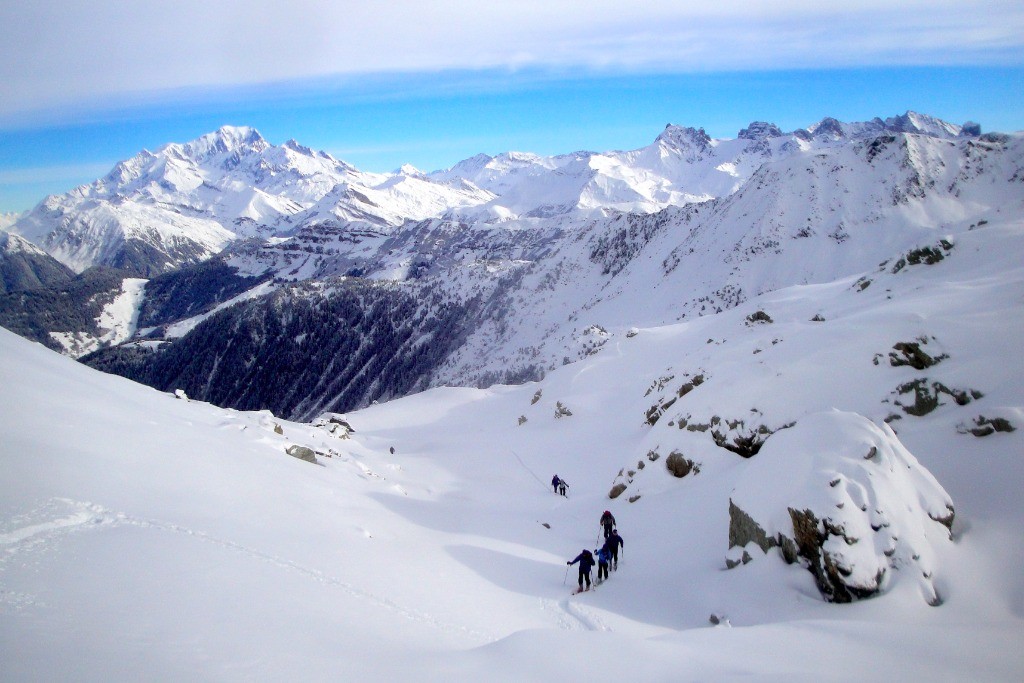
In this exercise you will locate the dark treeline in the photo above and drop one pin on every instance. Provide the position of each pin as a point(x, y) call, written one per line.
point(72, 306)
point(25, 269)
point(191, 290)
point(299, 352)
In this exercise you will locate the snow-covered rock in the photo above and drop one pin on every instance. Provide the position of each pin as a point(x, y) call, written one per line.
point(846, 499)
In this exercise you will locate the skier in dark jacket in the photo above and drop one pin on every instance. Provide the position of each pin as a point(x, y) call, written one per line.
point(608, 522)
point(555, 481)
point(586, 561)
point(612, 544)
point(603, 557)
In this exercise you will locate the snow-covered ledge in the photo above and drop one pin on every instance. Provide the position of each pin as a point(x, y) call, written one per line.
point(842, 496)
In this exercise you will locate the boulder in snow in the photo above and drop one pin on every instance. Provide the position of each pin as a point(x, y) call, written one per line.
point(843, 497)
point(302, 453)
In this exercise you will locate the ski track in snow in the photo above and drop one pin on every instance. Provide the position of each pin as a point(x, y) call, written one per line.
point(63, 516)
point(37, 531)
point(582, 618)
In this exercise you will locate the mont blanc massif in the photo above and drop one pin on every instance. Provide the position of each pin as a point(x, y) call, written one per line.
point(788, 363)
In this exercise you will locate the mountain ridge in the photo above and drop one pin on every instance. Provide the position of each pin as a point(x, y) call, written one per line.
point(187, 201)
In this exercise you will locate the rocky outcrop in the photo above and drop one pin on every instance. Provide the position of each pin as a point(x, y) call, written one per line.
point(842, 497)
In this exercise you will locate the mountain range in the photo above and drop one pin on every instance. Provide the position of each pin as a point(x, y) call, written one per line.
point(788, 363)
point(498, 269)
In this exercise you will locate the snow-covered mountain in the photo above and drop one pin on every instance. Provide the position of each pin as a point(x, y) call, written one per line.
point(185, 202)
point(23, 265)
point(538, 268)
point(542, 291)
point(851, 438)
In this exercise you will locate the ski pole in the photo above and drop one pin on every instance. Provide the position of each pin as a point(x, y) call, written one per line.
point(566, 574)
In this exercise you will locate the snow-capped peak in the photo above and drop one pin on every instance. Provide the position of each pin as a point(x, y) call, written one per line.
point(224, 140)
point(409, 170)
point(11, 243)
point(294, 146)
point(913, 122)
point(759, 130)
point(828, 127)
point(683, 137)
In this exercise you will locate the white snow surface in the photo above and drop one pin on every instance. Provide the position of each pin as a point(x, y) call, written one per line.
point(148, 537)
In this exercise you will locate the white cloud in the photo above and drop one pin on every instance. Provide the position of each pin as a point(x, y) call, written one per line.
point(56, 54)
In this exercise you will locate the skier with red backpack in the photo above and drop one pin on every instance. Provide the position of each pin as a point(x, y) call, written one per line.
point(608, 523)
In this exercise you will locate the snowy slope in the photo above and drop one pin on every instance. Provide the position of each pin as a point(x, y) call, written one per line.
point(149, 537)
point(813, 217)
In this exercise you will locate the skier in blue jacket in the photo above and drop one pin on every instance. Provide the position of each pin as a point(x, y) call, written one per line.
point(603, 556)
point(586, 560)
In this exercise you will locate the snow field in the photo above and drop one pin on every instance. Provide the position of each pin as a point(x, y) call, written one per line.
point(143, 536)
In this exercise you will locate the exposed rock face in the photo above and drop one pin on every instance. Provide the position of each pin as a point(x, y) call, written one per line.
point(910, 353)
point(843, 497)
point(744, 530)
point(758, 130)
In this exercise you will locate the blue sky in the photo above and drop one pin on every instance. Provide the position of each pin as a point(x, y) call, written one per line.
point(382, 84)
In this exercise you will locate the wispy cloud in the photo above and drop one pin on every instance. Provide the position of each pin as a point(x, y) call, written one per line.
point(87, 53)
